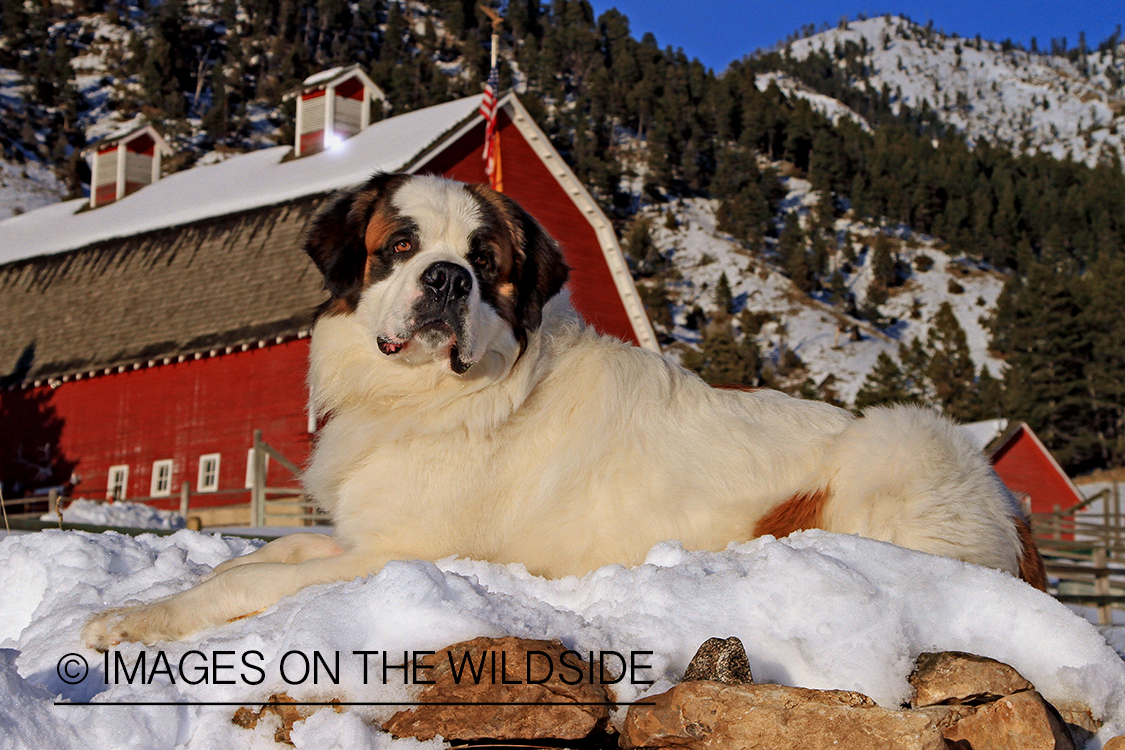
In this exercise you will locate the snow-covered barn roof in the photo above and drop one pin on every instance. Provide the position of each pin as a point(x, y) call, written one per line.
point(253, 180)
point(207, 260)
point(984, 433)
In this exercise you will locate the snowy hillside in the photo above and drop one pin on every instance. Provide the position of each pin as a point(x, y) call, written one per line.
point(1033, 102)
point(819, 333)
point(815, 610)
point(831, 108)
point(28, 185)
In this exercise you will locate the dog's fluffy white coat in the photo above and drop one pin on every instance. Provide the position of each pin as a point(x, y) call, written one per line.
point(579, 452)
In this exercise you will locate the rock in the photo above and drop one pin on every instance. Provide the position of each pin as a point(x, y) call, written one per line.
point(1117, 743)
point(1079, 720)
point(538, 667)
point(953, 677)
point(720, 661)
point(712, 715)
point(1023, 721)
point(278, 705)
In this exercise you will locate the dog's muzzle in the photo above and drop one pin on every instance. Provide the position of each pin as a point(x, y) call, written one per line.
point(439, 314)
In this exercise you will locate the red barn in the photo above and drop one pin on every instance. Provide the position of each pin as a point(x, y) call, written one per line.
point(142, 342)
point(1032, 473)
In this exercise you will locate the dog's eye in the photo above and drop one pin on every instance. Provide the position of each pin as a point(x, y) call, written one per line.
point(403, 246)
point(480, 259)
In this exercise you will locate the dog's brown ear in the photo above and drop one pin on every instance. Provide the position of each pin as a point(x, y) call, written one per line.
point(542, 270)
point(336, 246)
point(335, 236)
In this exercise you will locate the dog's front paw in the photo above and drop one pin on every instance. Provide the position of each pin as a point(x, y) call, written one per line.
point(147, 623)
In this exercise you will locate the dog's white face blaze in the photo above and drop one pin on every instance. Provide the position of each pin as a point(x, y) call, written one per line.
point(446, 216)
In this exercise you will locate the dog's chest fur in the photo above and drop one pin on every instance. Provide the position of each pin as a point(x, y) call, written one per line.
point(553, 465)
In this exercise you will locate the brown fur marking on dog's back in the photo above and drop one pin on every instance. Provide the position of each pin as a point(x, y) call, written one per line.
point(802, 511)
point(1032, 569)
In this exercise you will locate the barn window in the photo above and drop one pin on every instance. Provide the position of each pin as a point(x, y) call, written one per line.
point(118, 482)
point(250, 467)
point(161, 478)
point(208, 472)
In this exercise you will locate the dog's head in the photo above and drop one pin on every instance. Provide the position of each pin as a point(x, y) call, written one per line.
point(435, 270)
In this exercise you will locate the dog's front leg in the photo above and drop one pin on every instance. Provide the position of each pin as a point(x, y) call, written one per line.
point(235, 592)
point(292, 548)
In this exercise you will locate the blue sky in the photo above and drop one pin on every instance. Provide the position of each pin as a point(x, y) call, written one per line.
point(719, 31)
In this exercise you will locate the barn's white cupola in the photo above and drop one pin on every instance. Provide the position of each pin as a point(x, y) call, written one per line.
point(124, 162)
point(332, 105)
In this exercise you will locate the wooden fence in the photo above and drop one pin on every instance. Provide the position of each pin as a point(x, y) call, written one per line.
point(267, 505)
point(1085, 555)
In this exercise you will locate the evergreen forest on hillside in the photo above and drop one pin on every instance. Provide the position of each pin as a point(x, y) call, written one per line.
point(619, 108)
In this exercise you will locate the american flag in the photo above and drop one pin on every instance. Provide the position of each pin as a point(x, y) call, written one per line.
point(491, 137)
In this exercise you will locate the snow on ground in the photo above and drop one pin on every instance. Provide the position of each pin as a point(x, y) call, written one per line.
point(121, 514)
point(816, 610)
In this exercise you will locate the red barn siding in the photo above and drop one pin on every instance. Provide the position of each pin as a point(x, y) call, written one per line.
point(528, 181)
point(178, 411)
point(1025, 468)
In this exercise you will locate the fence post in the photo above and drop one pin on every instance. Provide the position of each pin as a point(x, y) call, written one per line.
point(1056, 521)
point(185, 496)
point(258, 483)
point(1101, 586)
point(1118, 521)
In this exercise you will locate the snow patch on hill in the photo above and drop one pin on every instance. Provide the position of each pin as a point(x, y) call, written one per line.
point(831, 108)
point(820, 333)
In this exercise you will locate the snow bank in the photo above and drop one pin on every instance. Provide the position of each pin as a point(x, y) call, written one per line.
point(122, 514)
point(815, 610)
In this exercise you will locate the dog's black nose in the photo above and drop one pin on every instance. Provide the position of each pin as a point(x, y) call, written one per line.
point(448, 281)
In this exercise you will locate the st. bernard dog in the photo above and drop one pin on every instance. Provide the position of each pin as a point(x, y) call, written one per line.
point(470, 412)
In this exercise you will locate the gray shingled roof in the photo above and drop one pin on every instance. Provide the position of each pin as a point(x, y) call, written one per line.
point(218, 283)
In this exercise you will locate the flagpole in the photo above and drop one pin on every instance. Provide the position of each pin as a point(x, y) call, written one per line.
point(492, 135)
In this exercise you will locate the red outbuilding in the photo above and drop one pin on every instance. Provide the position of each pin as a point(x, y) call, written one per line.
point(143, 343)
point(1032, 473)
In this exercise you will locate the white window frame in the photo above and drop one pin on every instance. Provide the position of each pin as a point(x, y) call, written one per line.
point(118, 478)
point(250, 467)
point(161, 478)
point(208, 481)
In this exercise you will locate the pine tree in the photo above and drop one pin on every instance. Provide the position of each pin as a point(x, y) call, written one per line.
point(950, 370)
point(724, 299)
point(1105, 370)
point(882, 262)
point(791, 246)
point(885, 384)
point(915, 363)
point(1046, 383)
point(725, 361)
